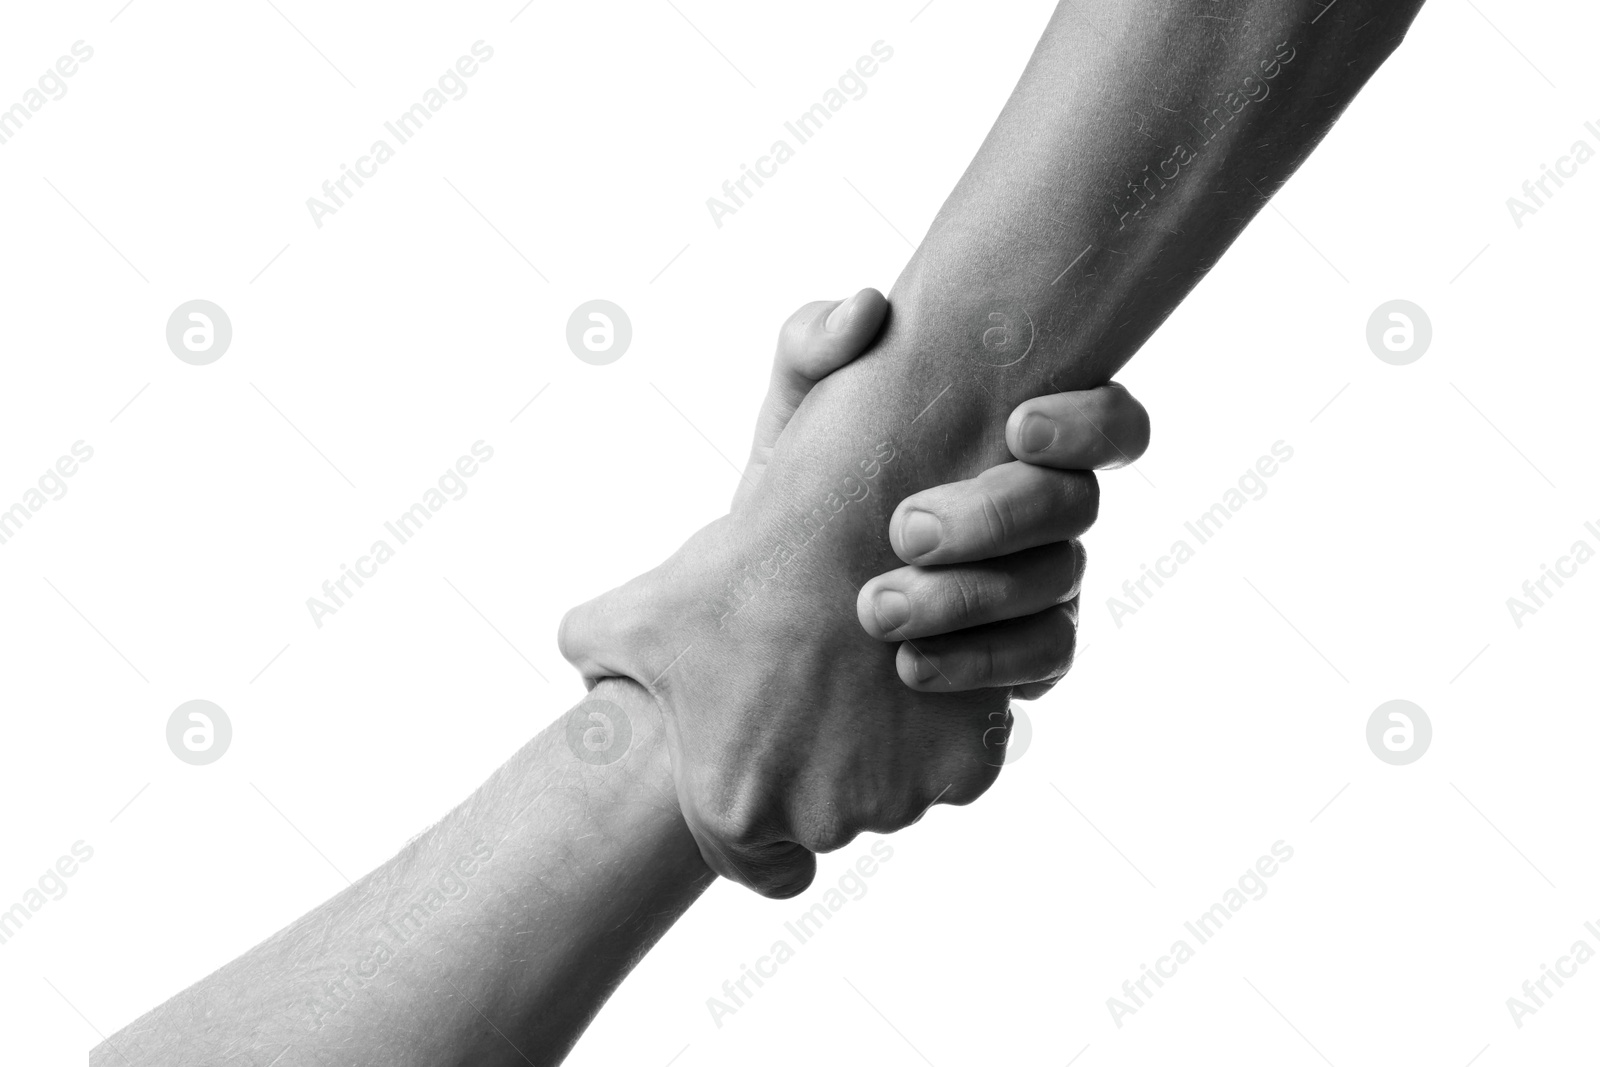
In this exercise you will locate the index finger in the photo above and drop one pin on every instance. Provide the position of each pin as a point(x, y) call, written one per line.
point(1087, 429)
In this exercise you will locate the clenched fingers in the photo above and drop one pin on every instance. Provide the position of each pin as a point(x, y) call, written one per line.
point(913, 602)
point(1005, 509)
point(1017, 652)
point(1088, 429)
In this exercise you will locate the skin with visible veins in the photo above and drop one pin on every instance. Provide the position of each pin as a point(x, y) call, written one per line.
point(1109, 185)
point(1141, 140)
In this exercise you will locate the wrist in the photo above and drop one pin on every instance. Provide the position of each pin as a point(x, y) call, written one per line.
point(616, 744)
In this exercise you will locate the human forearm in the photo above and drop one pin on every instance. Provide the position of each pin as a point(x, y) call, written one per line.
point(502, 928)
point(1140, 141)
point(1142, 138)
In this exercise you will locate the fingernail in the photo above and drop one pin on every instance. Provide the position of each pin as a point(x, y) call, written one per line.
point(923, 668)
point(1038, 433)
point(920, 533)
point(837, 316)
point(892, 608)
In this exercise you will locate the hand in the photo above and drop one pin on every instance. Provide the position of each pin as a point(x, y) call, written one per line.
point(788, 733)
point(991, 596)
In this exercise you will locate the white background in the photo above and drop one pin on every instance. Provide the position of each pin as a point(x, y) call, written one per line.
point(1222, 717)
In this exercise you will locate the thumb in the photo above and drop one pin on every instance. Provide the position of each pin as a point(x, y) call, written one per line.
point(816, 340)
point(602, 638)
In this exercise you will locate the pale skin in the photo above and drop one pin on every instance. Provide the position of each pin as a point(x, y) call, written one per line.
point(1141, 139)
point(496, 935)
point(768, 746)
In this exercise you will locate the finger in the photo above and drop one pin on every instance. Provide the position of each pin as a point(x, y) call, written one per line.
point(816, 340)
point(1017, 652)
point(1091, 429)
point(824, 336)
point(779, 871)
point(913, 602)
point(603, 637)
point(1033, 690)
point(585, 632)
point(1003, 510)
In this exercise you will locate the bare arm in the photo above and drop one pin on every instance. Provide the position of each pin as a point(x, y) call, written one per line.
point(493, 938)
point(1110, 184)
point(1142, 138)
point(1140, 141)
point(500, 932)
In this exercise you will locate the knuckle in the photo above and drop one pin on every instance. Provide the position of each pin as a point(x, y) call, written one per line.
point(1070, 502)
point(824, 831)
point(963, 598)
point(912, 804)
point(998, 517)
point(1044, 649)
point(1057, 624)
point(971, 783)
point(734, 822)
point(982, 663)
